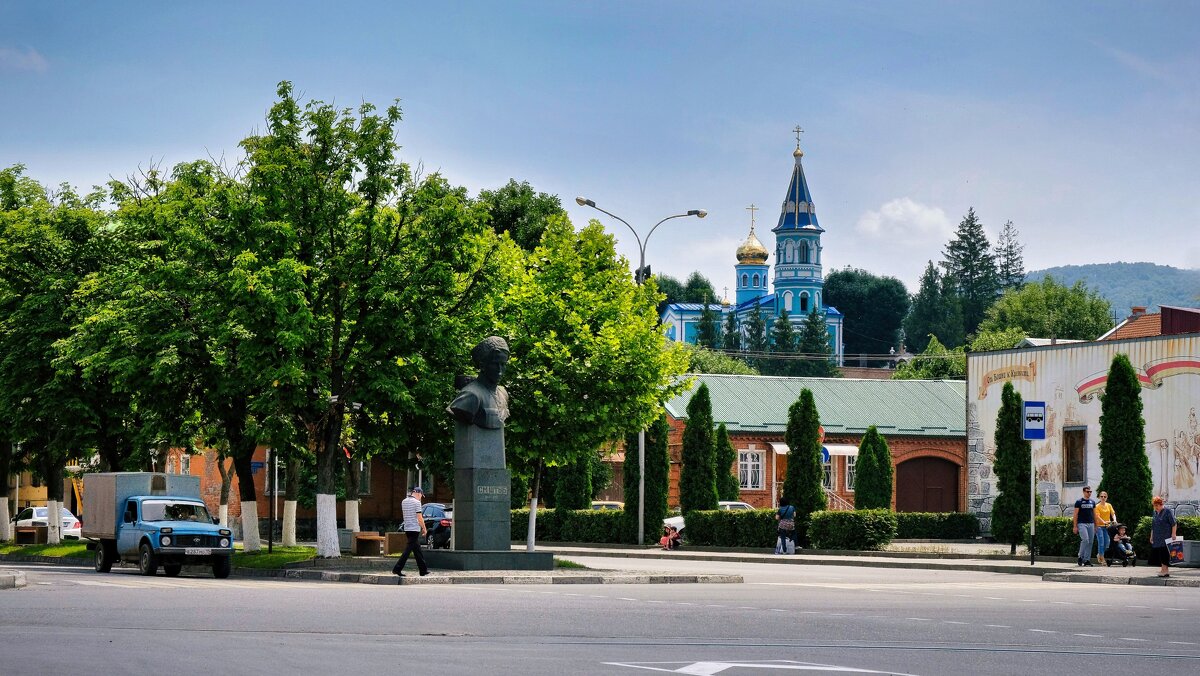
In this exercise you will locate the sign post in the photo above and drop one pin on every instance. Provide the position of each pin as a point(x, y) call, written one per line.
point(1033, 428)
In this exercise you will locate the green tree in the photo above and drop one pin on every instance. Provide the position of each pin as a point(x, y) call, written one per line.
point(658, 478)
point(731, 336)
point(517, 209)
point(1124, 466)
point(697, 476)
point(728, 487)
point(814, 345)
point(573, 484)
point(874, 306)
point(756, 336)
point(708, 329)
point(935, 311)
point(785, 343)
point(1010, 259)
point(873, 472)
point(935, 363)
point(1047, 309)
point(802, 485)
point(1010, 511)
point(697, 289)
point(971, 267)
point(701, 360)
point(988, 341)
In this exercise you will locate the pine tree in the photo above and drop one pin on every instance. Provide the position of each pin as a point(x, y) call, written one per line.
point(1010, 511)
point(1124, 466)
point(873, 472)
point(731, 338)
point(756, 336)
point(573, 485)
point(708, 329)
point(658, 477)
point(784, 342)
point(728, 487)
point(697, 480)
point(970, 265)
point(814, 345)
point(803, 484)
point(1010, 259)
point(925, 312)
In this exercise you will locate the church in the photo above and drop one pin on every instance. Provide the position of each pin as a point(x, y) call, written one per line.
point(798, 279)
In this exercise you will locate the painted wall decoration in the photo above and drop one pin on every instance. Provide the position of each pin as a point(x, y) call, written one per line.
point(1070, 379)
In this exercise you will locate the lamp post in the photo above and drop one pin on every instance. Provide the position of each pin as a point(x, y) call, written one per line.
point(640, 277)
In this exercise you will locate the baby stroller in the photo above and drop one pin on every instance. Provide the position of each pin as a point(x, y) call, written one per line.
point(1114, 552)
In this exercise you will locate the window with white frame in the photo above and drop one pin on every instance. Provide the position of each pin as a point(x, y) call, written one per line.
point(185, 464)
point(171, 464)
point(850, 459)
point(827, 474)
point(750, 469)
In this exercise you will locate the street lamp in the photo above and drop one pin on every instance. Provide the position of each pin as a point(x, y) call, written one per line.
point(640, 276)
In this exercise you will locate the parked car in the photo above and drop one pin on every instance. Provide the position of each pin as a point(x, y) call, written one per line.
point(36, 516)
point(607, 504)
point(439, 519)
point(724, 505)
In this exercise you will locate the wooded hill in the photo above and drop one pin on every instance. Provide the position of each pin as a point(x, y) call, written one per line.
point(1128, 284)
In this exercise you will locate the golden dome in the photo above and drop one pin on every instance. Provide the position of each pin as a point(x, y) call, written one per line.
point(752, 250)
point(725, 302)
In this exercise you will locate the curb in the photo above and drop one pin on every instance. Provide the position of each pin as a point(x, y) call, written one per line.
point(12, 580)
point(483, 578)
point(1142, 581)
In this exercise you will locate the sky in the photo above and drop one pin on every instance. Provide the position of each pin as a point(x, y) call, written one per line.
point(1077, 121)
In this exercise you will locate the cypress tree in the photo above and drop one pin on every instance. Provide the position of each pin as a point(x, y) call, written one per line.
point(784, 342)
point(658, 477)
point(1010, 511)
point(731, 339)
point(873, 472)
point(802, 485)
point(573, 485)
point(708, 329)
point(756, 336)
point(1124, 467)
point(697, 481)
point(728, 487)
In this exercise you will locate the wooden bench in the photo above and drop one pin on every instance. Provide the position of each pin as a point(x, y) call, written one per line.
point(31, 535)
point(396, 542)
point(367, 544)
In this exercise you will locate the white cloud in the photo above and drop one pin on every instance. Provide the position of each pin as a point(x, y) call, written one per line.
point(17, 59)
point(907, 219)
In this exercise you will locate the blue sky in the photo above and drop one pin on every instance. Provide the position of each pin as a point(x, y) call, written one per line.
point(1078, 121)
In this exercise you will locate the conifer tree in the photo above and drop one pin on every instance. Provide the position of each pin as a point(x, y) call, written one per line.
point(935, 311)
point(697, 480)
point(1010, 511)
point(784, 342)
point(1124, 466)
point(573, 485)
point(708, 329)
point(802, 486)
point(756, 336)
point(814, 345)
point(1010, 259)
point(970, 265)
point(728, 487)
point(731, 338)
point(873, 472)
point(658, 476)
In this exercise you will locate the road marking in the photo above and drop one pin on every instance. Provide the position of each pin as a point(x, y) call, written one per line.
point(625, 598)
point(1181, 643)
point(1089, 635)
point(777, 610)
point(1134, 639)
point(1043, 631)
point(954, 622)
point(919, 619)
point(1063, 603)
point(998, 626)
point(1137, 606)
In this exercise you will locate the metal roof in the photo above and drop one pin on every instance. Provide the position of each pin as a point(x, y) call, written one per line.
point(929, 408)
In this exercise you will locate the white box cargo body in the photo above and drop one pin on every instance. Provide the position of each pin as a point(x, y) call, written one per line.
point(104, 496)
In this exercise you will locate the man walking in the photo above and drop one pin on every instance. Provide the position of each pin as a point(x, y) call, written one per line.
point(1084, 523)
point(414, 529)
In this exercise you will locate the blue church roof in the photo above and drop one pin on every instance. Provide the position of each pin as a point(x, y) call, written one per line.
point(798, 212)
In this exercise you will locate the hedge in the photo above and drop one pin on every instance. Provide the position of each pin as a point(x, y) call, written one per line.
point(936, 525)
point(861, 530)
point(1055, 538)
point(1187, 527)
point(731, 528)
point(564, 525)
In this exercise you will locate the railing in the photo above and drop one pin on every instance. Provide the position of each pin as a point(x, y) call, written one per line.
point(837, 503)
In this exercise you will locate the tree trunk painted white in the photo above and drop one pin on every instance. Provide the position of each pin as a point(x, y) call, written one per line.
point(529, 538)
point(327, 532)
point(53, 522)
point(352, 515)
point(251, 542)
point(6, 532)
point(223, 515)
point(289, 523)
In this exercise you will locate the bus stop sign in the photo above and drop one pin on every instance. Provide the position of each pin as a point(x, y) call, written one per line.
point(1034, 425)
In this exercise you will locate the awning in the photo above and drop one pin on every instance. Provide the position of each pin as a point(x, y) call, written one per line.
point(841, 449)
point(779, 448)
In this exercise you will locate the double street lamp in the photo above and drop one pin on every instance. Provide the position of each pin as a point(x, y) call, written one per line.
point(643, 272)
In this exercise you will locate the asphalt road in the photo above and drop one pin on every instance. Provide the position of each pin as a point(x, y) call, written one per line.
point(815, 619)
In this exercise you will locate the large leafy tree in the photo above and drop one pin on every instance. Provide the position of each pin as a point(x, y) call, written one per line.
point(1010, 258)
point(697, 476)
point(814, 345)
point(1048, 309)
point(1010, 511)
point(658, 478)
point(874, 307)
point(935, 311)
point(936, 362)
point(696, 289)
point(701, 360)
point(873, 472)
point(728, 487)
point(516, 208)
point(1124, 467)
point(971, 267)
point(802, 485)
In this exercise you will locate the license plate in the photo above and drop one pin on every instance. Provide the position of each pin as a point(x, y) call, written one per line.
point(197, 551)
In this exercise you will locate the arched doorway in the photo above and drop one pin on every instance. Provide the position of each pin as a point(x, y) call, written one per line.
point(927, 485)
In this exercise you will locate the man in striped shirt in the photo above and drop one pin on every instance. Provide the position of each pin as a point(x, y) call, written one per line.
point(414, 529)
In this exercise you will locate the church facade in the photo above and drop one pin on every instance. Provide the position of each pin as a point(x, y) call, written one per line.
point(798, 279)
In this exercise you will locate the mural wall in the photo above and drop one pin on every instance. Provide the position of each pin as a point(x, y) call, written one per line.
point(1070, 379)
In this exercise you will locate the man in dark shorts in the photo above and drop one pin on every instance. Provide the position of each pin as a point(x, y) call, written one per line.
point(1084, 523)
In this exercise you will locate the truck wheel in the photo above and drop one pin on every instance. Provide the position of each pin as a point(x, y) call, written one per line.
point(147, 563)
point(222, 565)
point(104, 560)
point(172, 569)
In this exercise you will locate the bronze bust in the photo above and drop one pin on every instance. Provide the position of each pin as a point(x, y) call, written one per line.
point(483, 402)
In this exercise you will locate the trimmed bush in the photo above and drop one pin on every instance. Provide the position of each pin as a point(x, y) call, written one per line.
point(861, 530)
point(566, 525)
point(1188, 528)
point(936, 525)
point(731, 528)
point(1054, 537)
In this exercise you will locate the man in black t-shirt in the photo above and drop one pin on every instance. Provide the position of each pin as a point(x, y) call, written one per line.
point(1084, 523)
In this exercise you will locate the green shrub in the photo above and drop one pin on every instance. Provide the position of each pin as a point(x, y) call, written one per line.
point(1188, 528)
point(936, 525)
point(565, 525)
point(1054, 537)
point(732, 528)
point(864, 529)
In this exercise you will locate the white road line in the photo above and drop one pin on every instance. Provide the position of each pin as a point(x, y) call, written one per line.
point(1063, 603)
point(1089, 635)
point(1181, 643)
point(1137, 606)
point(1134, 639)
point(1043, 631)
point(954, 622)
point(994, 598)
point(998, 626)
point(1174, 609)
point(625, 598)
point(777, 610)
point(919, 619)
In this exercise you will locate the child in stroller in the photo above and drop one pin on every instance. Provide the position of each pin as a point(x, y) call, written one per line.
point(1119, 547)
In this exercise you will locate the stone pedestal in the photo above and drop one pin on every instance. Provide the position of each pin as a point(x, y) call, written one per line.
point(482, 509)
point(448, 559)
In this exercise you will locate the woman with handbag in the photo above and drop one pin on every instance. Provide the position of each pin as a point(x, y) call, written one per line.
point(1162, 530)
point(786, 516)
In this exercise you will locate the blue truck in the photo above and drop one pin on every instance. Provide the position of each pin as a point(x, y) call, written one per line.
point(152, 519)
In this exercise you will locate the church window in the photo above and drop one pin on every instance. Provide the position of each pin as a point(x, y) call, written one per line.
point(789, 253)
point(804, 253)
point(745, 280)
point(756, 280)
point(804, 303)
point(787, 301)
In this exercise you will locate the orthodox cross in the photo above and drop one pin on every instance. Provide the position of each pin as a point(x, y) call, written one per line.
point(798, 132)
point(727, 292)
point(752, 209)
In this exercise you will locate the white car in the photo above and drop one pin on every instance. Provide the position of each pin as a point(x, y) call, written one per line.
point(36, 516)
point(724, 505)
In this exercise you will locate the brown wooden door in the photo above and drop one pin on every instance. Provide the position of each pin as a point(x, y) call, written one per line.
point(927, 485)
